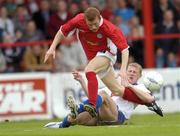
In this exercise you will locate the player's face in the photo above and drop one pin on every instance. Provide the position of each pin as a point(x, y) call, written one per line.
point(133, 74)
point(93, 25)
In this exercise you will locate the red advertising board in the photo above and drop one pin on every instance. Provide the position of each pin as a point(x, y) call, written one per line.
point(23, 97)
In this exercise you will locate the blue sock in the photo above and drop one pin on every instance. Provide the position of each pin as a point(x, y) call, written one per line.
point(80, 108)
point(65, 123)
point(98, 104)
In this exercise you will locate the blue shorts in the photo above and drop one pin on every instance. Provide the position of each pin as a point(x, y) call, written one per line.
point(121, 117)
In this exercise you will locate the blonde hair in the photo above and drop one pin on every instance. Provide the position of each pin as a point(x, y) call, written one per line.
point(91, 13)
point(136, 65)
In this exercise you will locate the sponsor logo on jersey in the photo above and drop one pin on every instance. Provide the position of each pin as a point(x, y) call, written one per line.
point(92, 43)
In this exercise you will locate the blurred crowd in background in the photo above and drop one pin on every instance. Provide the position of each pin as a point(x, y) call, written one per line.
point(36, 20)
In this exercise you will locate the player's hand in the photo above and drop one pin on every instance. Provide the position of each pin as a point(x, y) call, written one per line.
point(49, 53)
point(124, 79)
point(77, 76)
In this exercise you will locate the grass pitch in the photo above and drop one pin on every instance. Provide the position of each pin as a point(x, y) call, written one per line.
point(139, 125)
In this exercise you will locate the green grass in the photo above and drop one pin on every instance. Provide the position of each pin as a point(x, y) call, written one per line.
point(139, 125)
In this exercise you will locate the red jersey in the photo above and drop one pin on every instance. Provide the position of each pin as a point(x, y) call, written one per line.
point(94, 42)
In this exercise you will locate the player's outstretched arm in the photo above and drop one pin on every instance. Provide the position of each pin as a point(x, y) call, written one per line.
point(122, 73)
point(79, 78)
point(51, 51)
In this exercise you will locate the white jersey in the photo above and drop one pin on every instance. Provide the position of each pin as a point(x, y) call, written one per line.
point(126, 107)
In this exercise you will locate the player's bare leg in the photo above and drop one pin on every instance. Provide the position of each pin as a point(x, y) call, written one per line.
point(117, 89)
point(112, 83)
point(86, 119)
point(95, 66)
point(99, 63)
point(108, 111)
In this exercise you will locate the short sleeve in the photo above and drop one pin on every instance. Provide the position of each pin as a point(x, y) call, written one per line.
point(71, 24)
point(116, 36)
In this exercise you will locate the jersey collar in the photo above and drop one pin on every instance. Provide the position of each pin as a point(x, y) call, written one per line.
point(101, 21)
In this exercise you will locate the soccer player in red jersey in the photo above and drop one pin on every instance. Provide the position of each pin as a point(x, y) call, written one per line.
point(100, 40)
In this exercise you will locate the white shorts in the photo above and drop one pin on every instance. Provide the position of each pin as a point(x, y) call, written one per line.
point(113, 61)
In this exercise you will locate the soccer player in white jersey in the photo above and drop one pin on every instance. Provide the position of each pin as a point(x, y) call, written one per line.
point(111, 109)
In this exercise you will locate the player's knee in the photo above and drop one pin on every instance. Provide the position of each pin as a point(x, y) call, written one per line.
point(119, 90)
point(89, 69)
